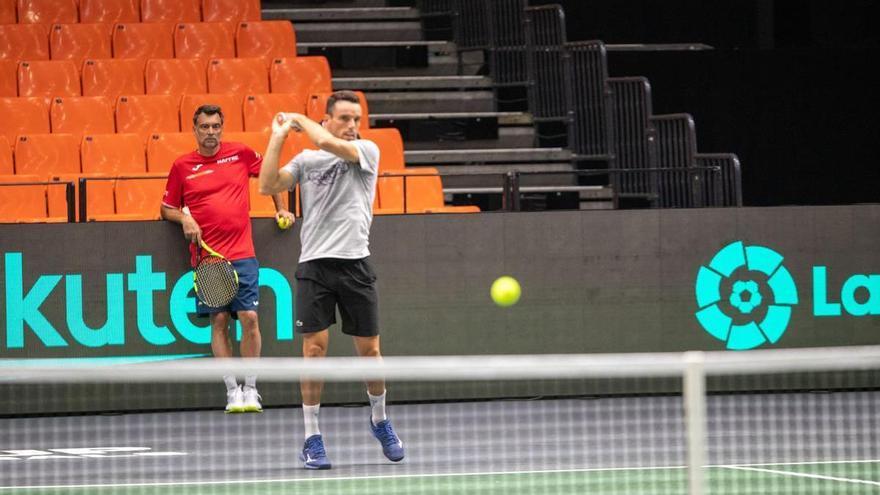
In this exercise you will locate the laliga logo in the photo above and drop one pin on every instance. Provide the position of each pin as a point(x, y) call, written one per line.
point(745, 296)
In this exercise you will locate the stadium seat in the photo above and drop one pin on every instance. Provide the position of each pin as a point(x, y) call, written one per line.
point(205, 40)
point(112, 77)
point(7, 12)
point(170, 11)
point(300, 75)
point(164, 148)
point(316, 108)
point(259, 109)
point(231, 10)
point(22, 203)
point(113, 154)
point(78, 42)
point(47, 154)
point(267, 40)
point(143, 40)
point(24, 41)
point(176, 76)
point(99, 195)
point(8, 78)
point(48, 78)
point(7, 166)
point(229, 103)
point(140, 198)
point(238, 76)
point(47, 11)
point(145, 115)
point(81, 114)
point(391, 160)
point(111, 11)
point(31, 117)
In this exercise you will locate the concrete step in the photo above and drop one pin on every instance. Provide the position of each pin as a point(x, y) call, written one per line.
point(508, 137)
point(457, 178)
point(319, 32)
point(414, 83)
point(324, 4)
point(341, 14)
point(504, 118)
point(442, 47)
point(362, 63)
point(481, 156)
point(430, 101)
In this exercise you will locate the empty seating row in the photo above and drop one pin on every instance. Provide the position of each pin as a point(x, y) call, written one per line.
point(78, 42)
point(149, 114)
point(48, 11)
point(114, 77)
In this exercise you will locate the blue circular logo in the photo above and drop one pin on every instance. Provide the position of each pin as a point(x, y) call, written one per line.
point(746, 318)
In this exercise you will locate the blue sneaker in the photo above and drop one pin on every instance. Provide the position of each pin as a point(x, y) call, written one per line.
point(392, 447)
point(313, 455)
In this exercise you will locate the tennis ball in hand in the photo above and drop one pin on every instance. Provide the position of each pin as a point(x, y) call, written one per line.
point(505, 291)
point(284, 223)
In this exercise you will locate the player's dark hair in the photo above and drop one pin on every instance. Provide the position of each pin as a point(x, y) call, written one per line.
point(342, 95)
point(207, 110)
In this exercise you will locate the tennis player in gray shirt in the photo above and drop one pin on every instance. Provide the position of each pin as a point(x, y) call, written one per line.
point(337, 186)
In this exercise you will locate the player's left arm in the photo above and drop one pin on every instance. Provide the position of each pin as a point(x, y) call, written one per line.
point(324, 140)
point(255, 163)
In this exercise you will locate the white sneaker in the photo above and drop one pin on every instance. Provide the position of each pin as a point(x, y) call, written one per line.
point(235, 401)
point(251, 400)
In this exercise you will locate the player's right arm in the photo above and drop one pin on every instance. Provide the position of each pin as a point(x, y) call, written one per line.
point(172, 211)
point(273, 180)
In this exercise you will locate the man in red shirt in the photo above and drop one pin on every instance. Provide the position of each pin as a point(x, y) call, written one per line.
point(207, 193)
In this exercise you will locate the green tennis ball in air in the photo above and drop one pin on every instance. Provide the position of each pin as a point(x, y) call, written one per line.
point(505, 291)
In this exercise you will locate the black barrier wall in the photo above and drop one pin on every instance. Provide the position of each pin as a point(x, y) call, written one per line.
point(593, 282)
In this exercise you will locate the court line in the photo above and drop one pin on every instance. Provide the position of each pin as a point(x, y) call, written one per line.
point(428, 475)
point(804, 475)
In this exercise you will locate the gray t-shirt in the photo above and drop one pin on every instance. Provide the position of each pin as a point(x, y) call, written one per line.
point(337, 201)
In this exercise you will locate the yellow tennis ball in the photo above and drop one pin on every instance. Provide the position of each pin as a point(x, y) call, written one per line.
point(283, 223)
point(505, 291)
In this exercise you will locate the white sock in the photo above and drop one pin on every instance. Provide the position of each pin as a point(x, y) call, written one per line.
point(377, 403)
point(310, 416)
point(250, 381)
point(231, 384)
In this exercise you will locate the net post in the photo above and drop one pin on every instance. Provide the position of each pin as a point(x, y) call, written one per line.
point(695, 420)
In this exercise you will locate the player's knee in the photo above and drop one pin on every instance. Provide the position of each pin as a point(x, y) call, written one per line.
point(314, 349)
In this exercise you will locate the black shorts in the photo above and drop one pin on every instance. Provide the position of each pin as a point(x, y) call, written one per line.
point(323, 284)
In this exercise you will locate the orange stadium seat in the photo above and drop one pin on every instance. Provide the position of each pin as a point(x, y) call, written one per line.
point(47, 154)
point(78, 42)
point(266, 39)
point(82, 114)
point(316, 108)
point(176, 76)
point(7, 12)
point(99, 195)
point(7, 166)
point(48, 78)
point(113, 154)
point(22, 203)
point(112, 77)
point(204, 40)
point(171, 11)
point(148, 114)
point(300, 75)
point(111, 11)
point(143, 40)
point(262, 206)
point(140, 198)
point(231, 10)
point(259, 109)
point(389, 190)
point(31, 117)
point(24, 41)
point(8, 77)
point(229, 103)
point(237, 75)
point(164, 148)
point(47, 11)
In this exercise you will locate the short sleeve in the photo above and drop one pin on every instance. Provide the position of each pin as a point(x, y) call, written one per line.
point(253, 160)
point(368, 155)
point(173, 188)
point(294, 168)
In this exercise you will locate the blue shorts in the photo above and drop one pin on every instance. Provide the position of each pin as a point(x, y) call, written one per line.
point(248, 297)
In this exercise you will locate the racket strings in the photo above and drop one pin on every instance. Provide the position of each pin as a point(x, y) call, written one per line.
point(215, 281)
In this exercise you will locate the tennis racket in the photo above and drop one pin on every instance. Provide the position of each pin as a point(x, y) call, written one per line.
point(214, 278)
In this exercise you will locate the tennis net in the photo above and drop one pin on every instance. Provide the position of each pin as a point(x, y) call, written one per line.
point(802, 421)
